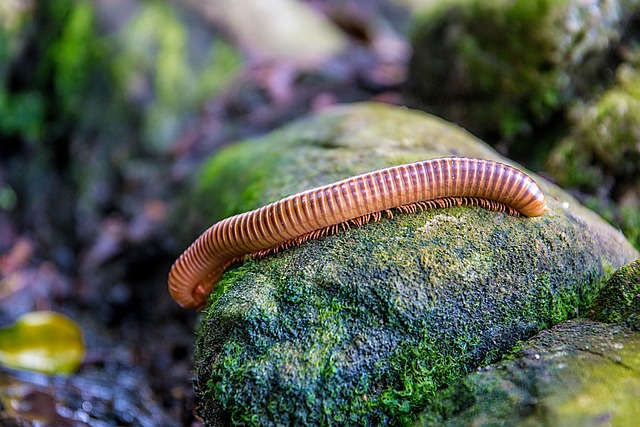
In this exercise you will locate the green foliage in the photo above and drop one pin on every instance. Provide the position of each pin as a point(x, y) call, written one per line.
point(73, 57)
point(59, 75)
point(20, 112)
point(8, 198)
point(79, 99)
point(43, 95)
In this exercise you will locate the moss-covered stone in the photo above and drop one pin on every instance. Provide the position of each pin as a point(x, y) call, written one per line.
point(601, 156)
point(619, 300)
point(504, 66)
point(365, 326)
point(576, 374)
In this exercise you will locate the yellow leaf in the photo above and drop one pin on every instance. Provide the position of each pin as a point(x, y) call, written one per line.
point(42, 341)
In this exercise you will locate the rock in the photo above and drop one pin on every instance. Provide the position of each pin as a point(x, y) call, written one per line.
point(601, 156)
point(577, 373)
point(365, 326)
point(619, 300)
point(503, 67)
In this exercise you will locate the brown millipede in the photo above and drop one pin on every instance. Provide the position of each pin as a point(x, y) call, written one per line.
point(443, 182)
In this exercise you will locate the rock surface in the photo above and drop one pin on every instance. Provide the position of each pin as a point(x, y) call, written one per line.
point(581, 372)
point(301, 36)
point(365, 326)
point(619, 300)
point(575, 374)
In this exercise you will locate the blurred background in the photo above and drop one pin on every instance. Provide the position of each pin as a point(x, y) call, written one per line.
point(109, 107)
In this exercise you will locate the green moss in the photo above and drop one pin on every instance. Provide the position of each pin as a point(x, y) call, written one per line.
point(603, 137)
point(305, 327)
point(236, 193)
point(366, 326)
point(629, 221)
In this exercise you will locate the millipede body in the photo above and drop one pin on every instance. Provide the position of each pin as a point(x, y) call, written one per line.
point(442, 182)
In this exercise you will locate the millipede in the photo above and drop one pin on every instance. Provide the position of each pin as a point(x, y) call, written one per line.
point(310, 214)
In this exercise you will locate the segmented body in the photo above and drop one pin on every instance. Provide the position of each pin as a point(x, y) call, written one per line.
point(450, 181)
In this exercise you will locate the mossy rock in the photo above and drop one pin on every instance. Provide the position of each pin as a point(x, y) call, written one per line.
point(600, 156)
point(578, 373)
point(503, 67)
point(619, 300)
point(365, 326)
point(603, 138)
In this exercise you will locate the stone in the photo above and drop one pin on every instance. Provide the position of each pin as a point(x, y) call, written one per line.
point(578, 373)
point(600, 156)
point(505, 67)
point(619, 300)
point(365, 326)
point(279, 30)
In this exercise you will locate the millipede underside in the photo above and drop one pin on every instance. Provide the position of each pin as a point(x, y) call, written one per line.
point(442, 203)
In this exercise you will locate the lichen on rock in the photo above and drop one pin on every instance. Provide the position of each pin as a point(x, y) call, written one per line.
point(365, 326)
